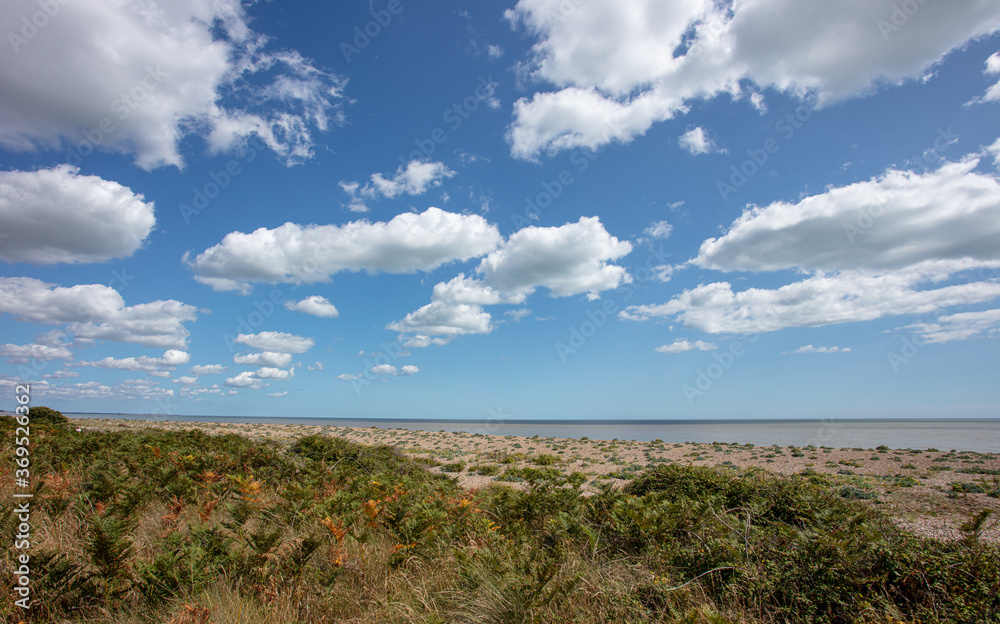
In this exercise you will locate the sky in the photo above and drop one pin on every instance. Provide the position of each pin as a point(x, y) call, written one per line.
point(541, 209)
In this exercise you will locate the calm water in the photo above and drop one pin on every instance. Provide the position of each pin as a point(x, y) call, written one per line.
point(964, 434)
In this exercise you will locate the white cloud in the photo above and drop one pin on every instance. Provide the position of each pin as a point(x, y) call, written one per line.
point(812, 349)
point(420, 341)
point(568, 260)
point(56, 215)
point(315, 305)
point(347, 377)
point(208, 369)
point(871, 249)
point(444, 320)
point(95, 311)
point(315, 366)
point(186, 381)
point(461, 289)
point(138, 78)
point(696, 141)
point(897, 220)
point(494, 51)
point(246, 379)
point(992, 67)
point(994, 150)
point(620, 66)
point(517, 314)
point(387, 369)
point(413, 179)
point(659, 229)
point(305, 254)
point(277, 395)
point(274, 373)
point(265, 358)
point(22, 354)
point(812, 302)
point(168, 361)
point(681, 345)
point(960, 326)
point(276, 341)
point(61, 374)
point(130, 389)
point(383, 369)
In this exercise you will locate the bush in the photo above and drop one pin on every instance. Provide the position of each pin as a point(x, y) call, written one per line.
point(42, 415)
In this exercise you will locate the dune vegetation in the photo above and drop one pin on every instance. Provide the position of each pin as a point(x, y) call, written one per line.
point(190, 528)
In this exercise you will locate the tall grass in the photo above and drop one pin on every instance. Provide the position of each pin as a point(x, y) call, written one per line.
point(187, 528)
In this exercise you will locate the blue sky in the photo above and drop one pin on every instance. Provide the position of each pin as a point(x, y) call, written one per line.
point(538, 209)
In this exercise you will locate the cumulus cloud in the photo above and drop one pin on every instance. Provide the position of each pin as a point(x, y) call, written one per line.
point(246, 379)
point(167, 362)
point(269, 372)
point(960, 326)
point(619, 66)
point(56, 215)
point(696, 141)
point(293, 253)
point(896, 220)
point(129, 389)
point(658, 229)
point(208, 369)
point(315, 305)
point(819, 300)
point(871, 249)
point(992, 68)
point(315, 366)
point(279, 342)
point(568, 260)
point(96, 312)
point(264, 358)
point(22, 354)
point(414, 179)
point(138, 78)
point(387, 369)
point(681, 345)
point(517, 314)
point(186, 381)
point(811, 349)
point(443, 320)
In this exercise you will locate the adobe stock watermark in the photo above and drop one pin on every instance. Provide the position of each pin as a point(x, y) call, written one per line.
point(388, 353)
point(705, 378)
point(453, 117)
point(595, 319)
point(218, 181)
point(898, 17)
point(757, 157)
point(552, 189)
point(370, 30)
point(122, 107)
point(908, 349)
point(33, 24)
point(925, 160)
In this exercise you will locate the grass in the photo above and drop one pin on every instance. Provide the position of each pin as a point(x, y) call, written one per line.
point(186, 528)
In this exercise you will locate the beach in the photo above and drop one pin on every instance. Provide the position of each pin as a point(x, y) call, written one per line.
point(929, 491)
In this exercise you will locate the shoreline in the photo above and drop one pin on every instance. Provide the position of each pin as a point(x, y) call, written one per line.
point(931, 492)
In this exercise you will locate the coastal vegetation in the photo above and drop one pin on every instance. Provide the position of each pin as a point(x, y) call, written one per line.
point(182, 527)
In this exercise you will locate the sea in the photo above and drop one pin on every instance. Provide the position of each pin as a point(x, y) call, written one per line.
point(945, 434)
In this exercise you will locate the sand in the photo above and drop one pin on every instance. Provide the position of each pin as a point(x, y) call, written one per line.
point(916, 487)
